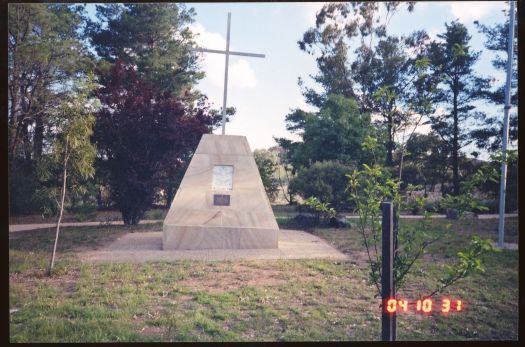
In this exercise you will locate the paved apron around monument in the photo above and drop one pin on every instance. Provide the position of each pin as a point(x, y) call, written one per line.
point(147, 246)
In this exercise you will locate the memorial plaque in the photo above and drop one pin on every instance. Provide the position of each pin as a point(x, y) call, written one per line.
point(221, 200)
point(222, 177)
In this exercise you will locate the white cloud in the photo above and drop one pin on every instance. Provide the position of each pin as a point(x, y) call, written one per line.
point(467, 11)
point(240, 73)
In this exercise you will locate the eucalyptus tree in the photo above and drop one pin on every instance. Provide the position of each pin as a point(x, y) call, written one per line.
point(388, 75)
point(71, 150)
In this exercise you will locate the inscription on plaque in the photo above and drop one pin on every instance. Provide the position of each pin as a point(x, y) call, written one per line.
point(221, 200)
point(222, 177)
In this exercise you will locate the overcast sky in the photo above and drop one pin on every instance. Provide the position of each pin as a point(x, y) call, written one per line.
point(264, 90)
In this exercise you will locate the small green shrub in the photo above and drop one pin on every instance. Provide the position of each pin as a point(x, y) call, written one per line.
point(320, 209)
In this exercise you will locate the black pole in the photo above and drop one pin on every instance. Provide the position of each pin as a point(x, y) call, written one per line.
point(394, 289)
point(387, 279)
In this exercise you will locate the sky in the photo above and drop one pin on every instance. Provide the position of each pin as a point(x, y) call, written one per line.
point(264, 90)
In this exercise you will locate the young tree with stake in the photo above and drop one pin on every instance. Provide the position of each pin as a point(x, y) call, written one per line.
point(72, 150)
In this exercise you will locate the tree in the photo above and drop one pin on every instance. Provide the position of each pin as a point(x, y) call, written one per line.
point(138, 128)
point(425, 163)
point(452, 61)
point(326, 181)
point(336, 25)
point(373, 185)
point(267, 167)
point(334, 133)
point(44, 53)
point(154, 38)
point(72, 151)
point(388, 75)
point(154, 41)
point(490, 136)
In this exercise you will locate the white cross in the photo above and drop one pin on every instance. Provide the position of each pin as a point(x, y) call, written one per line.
point(227, 52)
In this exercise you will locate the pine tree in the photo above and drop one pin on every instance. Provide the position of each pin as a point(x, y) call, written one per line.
point(490, 136)
point(452, 62)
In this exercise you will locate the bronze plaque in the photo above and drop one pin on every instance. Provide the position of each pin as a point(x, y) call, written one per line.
point(221, 200)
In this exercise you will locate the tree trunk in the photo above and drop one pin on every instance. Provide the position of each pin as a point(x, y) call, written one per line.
point(401, 162)
point(38, 141)
point(455, 146)
point(26, 141)
point(390, 144)
point(66, 157)
point(13, 122)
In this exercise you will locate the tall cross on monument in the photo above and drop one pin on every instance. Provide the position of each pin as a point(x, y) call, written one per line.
point(227, 52)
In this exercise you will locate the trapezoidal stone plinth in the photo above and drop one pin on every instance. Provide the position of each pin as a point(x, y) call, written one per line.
point(221, 202)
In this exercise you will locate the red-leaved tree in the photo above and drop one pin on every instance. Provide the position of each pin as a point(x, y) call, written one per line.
point(141, 133)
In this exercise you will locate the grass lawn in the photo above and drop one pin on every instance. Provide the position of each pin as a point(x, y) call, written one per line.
point(278, 300)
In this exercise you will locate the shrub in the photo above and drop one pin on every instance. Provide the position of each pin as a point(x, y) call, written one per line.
point(305, 221)
point(319, 209)
point(326, 181)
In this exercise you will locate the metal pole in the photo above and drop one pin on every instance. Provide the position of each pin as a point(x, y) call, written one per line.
point(226, 76)
point(503, 180)
point(387, 279)
point(394, 289)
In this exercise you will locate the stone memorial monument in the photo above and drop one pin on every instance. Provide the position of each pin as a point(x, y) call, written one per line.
point(221, 202)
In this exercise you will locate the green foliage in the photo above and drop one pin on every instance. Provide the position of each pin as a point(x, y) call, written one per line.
point(71, 147)
point(325, 181)
point(146, 50)
point(368, 188)
point(496, 40)
point(459, 87)
point(267, 167)
point(45, 54)
point(469, 261)
point(153, 37)
point(334, 133)
point(467, 201)
point(373, 185)
point(356, 57)
point(320, 209)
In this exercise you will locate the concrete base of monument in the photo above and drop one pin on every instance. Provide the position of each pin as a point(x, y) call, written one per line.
point(147, 246)
point(188, 238)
